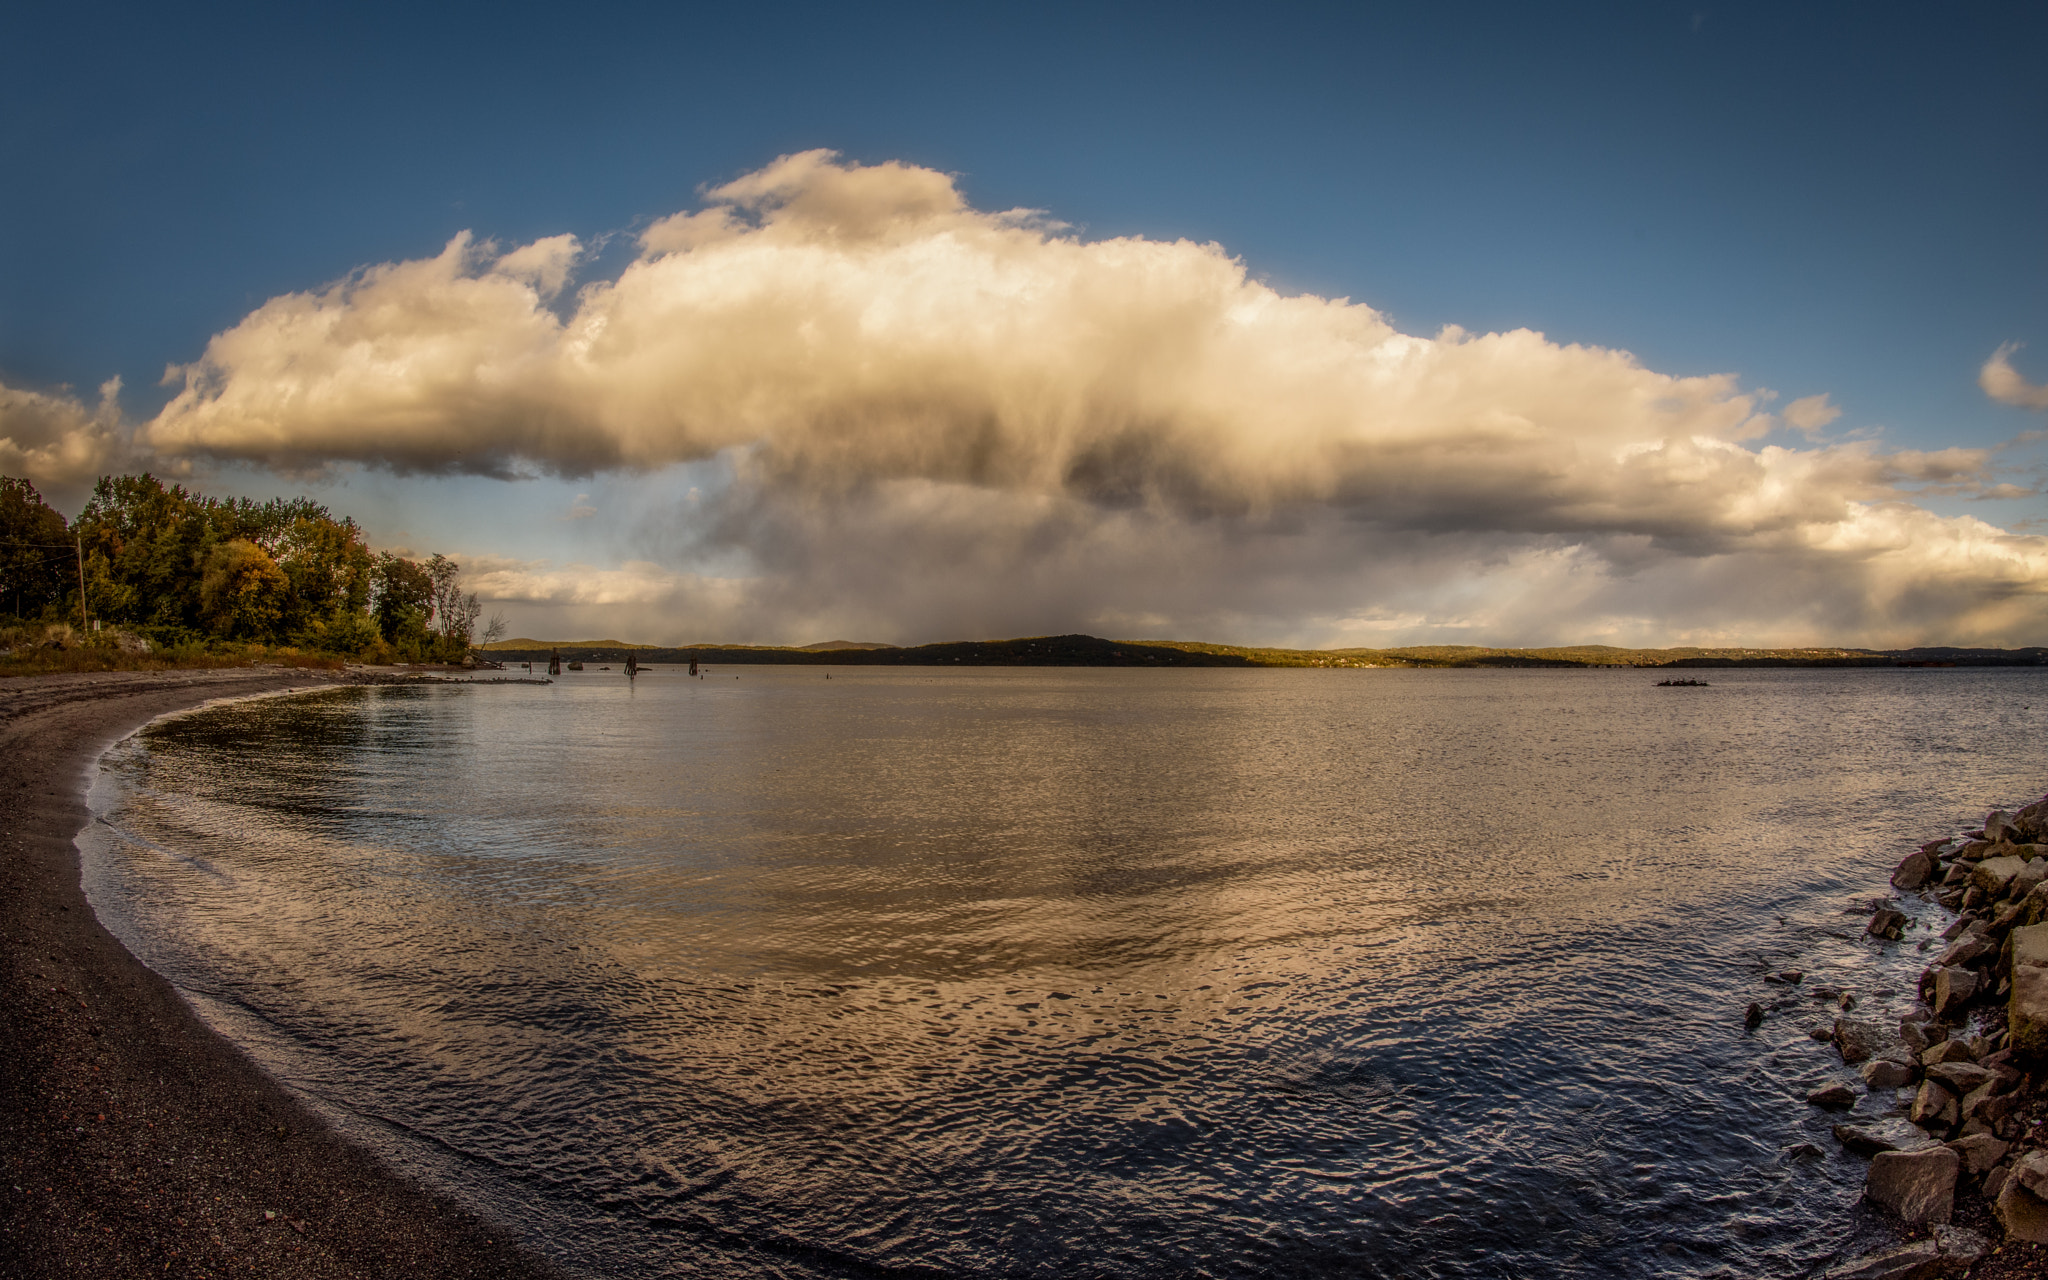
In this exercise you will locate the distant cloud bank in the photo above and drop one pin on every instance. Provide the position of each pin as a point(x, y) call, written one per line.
point(938, 421)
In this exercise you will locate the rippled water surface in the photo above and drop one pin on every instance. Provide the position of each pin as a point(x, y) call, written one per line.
point(1036, 972)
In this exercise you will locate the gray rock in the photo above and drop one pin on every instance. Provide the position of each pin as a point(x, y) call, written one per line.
point(1915, 1035)
point(2023, 1214)
point(1919, 1260)
point(2027, 1015)
point(1994, 874)
point(1997, 824)
point(1885, 923)
point(1933, 1107)
point(1833, 1097)
point(2032, 821)
point(1919, 1186)
point(1994, 1182)
point(1953, 988)
point(1946, 1051)
point(2031, 1172)
point(1871, 1137)
point(1860, 1038)
point(2029, 878)
point(1966, 950)
point(1915, 871)
point(1961, 1077)
point(1979, 1152)
point(1888, 1073)
point(1961, 1246)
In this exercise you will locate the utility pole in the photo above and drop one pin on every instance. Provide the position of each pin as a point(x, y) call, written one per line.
point(83, 625)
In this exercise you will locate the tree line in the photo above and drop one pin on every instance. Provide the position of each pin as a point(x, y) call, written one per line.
point(180, 567)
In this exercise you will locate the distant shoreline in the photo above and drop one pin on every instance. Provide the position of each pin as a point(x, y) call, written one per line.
point(1092, 651)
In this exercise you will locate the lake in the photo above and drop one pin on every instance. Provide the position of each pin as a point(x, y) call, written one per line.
point(1063, 972)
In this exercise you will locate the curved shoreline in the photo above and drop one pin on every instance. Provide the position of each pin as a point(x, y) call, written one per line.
point(136, 1141)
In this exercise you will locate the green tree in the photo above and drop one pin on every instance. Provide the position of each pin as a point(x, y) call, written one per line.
point(38, 568)
point(402, 599)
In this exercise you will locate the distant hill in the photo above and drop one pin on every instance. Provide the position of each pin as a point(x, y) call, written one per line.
point(1092, 651)
point(523, 645)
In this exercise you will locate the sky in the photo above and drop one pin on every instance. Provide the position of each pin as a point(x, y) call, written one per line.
point(1636, 324)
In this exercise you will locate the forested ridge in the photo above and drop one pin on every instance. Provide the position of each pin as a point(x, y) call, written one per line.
point(183, 570)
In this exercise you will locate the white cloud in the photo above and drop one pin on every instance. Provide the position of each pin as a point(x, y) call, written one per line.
point(1809, 414)
point(58, 441)
point(944, 421)
point(2002, 382)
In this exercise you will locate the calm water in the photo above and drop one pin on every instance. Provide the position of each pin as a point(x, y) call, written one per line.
point(1069, 972)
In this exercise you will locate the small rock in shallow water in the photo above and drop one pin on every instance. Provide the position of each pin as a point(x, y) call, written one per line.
point(1858, 1039)
point(1753, 1017)
point(1804, 1151)
point(1885, 923)
point(1915, 1261)
point(1833, 1097)
point(1888, 1134)
point(1888, 1073)
point(1915, 871)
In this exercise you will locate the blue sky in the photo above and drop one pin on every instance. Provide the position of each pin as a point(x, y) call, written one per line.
point(1839, 200)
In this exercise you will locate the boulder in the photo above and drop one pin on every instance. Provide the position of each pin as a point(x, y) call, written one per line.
point(1919, 1186)
point(2029, 879)
point(1872, 1137)
point(2032, 821)
point(1885, 923)
point(1933, 1107)
point(1961, 1077)
point(1915, 871)
point(1966, 950)
point(1833, 1097)
point(1997, 825)
point(1994, 874)
point(1953, 989)
point(1979, 1152)
point(2022, 1211)
point(1914, 1033)
point(2027, 1015)
point(1888, 1073)
point(2031, 1172)
point(1946, 1051)
point(1919, 1260)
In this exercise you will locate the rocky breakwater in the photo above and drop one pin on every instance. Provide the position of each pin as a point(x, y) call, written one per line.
point(1962, 1157)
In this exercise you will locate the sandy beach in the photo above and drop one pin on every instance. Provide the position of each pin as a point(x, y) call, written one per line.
point(136, 1141)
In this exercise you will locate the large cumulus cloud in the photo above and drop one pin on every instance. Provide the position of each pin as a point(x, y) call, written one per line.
point(935, 420)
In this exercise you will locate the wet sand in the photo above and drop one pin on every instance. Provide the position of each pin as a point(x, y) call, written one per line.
point(134, 1141)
